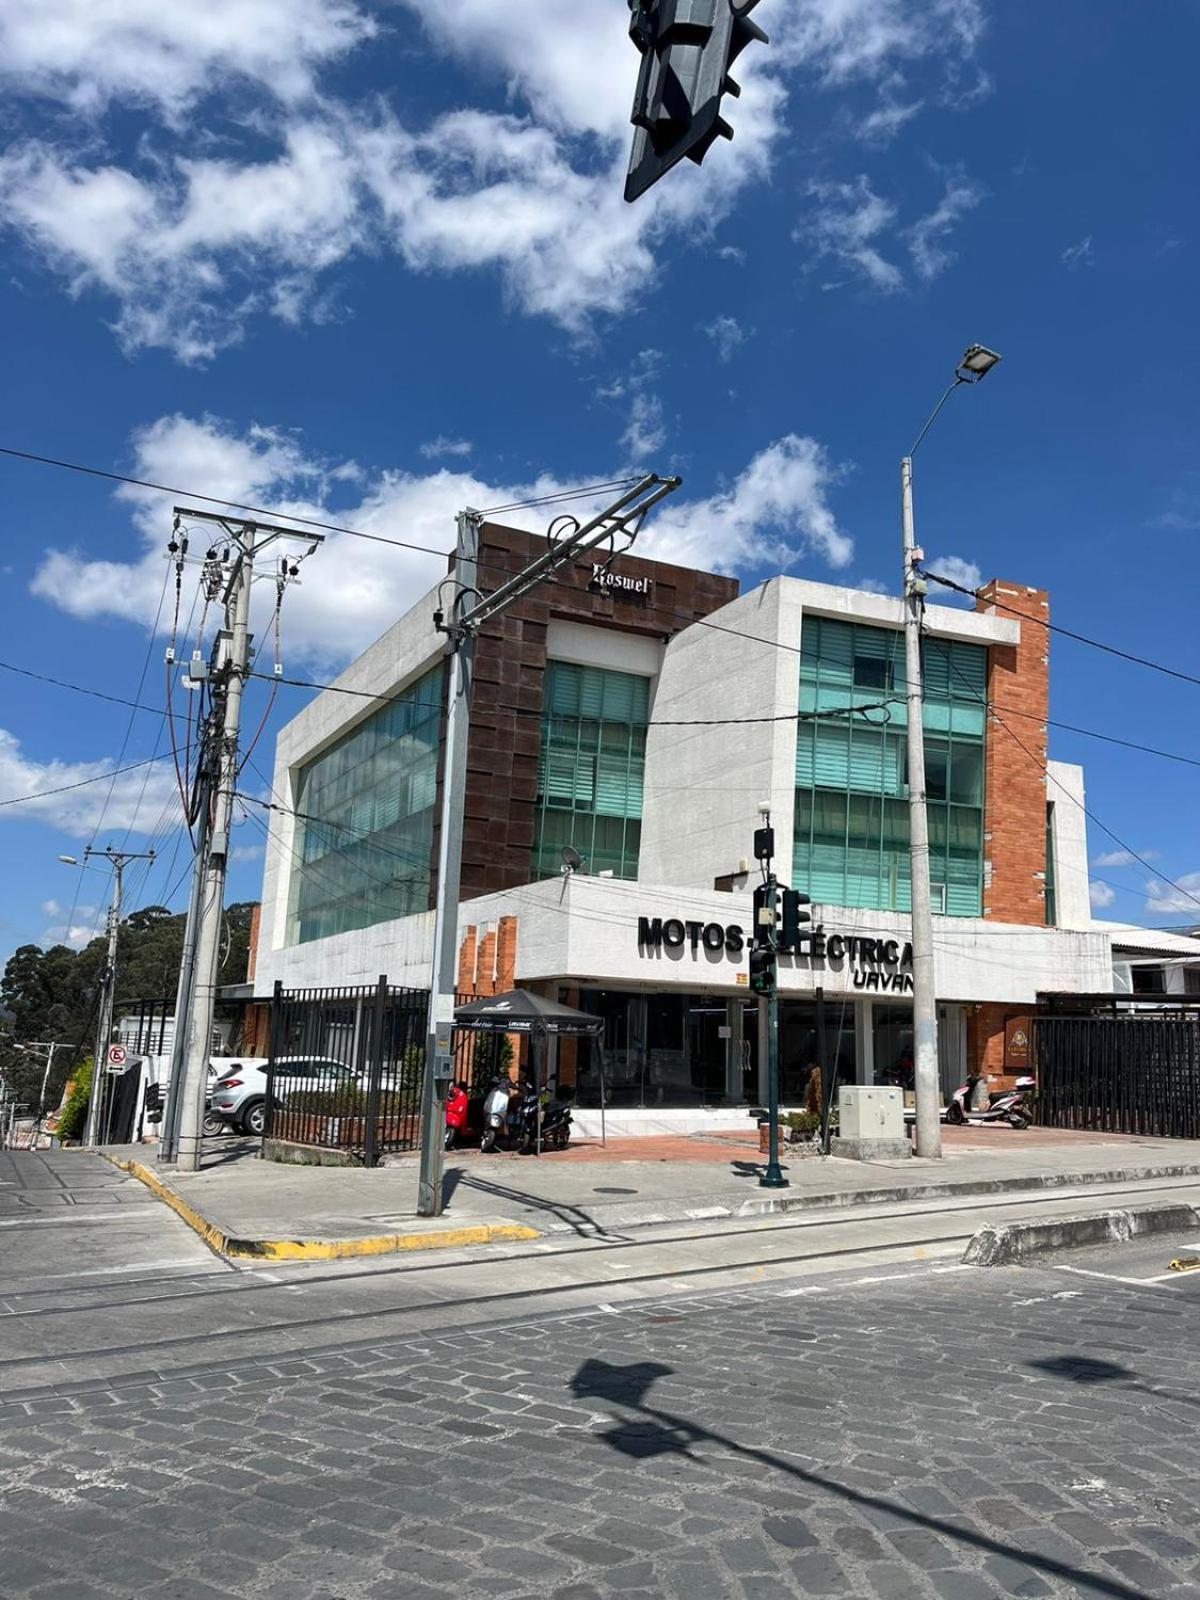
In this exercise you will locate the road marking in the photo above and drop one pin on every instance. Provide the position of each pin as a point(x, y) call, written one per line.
point(33, 1220)
point(1114, 1277)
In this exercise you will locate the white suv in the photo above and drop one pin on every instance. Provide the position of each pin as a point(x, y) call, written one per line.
point(239, 1095)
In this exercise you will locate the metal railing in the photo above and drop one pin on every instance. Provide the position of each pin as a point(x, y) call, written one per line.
point(1126, 1074)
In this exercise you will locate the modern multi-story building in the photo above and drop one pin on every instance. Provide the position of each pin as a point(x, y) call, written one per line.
point(641, 720)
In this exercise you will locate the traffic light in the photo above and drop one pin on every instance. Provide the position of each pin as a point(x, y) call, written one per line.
point(793, 918)
point(687, 49)
point(766, 910)
point(762, 971)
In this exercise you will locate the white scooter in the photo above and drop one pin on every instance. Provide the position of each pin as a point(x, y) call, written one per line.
point(1010, 1105)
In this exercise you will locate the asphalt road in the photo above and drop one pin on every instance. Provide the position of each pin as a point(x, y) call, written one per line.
point(801, 1421)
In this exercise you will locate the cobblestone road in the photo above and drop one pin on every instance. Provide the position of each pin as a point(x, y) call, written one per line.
point(941, 1435)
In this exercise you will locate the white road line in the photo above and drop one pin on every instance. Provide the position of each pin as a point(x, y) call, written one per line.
point(1111, 1277)
point(34, 1220)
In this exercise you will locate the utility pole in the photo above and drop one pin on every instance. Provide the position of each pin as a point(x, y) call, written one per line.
point(976, 363)
point(97, 1105)
point(168, 1147)
point(32, 1047)
point(244, 542)
point(467, 614)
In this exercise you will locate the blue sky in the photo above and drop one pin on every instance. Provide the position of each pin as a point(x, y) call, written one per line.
point(371, 260)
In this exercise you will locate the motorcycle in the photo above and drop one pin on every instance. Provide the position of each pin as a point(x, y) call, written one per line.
point(457, 1107)
point(497, 1123)
point(553, 1110)
point(1010, 1105)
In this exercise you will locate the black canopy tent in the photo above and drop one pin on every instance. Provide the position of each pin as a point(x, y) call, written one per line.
point(518, 1011)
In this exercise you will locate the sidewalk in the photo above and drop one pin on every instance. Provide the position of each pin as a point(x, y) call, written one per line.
point(250, 1208)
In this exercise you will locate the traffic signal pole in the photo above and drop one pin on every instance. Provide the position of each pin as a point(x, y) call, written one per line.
point(460, 622)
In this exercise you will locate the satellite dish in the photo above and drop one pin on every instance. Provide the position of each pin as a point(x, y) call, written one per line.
point(572, 861)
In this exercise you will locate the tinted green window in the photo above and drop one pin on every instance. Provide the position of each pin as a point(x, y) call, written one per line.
point(364, 838)
point(851, 824)
point(591, 766)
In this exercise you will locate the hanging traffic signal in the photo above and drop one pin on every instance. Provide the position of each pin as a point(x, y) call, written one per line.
point(762, 971)
point(687, 48)
point(793, 918)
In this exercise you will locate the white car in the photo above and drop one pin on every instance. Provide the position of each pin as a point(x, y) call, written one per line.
point(239, 1095)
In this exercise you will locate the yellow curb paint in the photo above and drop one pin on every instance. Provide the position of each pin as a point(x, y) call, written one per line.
point(321, 1249)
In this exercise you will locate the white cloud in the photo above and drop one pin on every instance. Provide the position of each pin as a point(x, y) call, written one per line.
point(1180, 898)
point(847, 39)
point(646, 430)
point(858, 230)
point(728, 334)
point(847, 226)
point(85, 53)
point(774, 513)
point(138, 798)
point(192, 246)
point(926, 238)
point(443, 445)
point(958, 570)
point(1100, 895)
point(1079, 255)
point(247, 852)
point(80, 932)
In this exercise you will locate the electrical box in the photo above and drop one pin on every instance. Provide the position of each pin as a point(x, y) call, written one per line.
point(870, 1113)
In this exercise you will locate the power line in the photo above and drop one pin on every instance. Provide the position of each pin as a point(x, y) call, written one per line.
point(1044, 767)
point(101, 777)
point(584, 492)
point(79, 688)
point(1054, 627)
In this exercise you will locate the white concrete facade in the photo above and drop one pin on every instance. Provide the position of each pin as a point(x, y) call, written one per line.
point(702, 788)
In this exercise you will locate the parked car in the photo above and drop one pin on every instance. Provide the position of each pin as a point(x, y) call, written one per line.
point(239, 1096)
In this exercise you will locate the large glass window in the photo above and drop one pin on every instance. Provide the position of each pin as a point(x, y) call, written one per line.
point(364, 836)
point(851, 822)
point(590, 769)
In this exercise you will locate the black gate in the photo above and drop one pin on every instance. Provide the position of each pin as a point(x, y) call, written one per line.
point(346, 1068)
point(1119, 1074)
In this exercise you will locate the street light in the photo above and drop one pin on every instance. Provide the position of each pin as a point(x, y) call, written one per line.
point(977, 361)
point(68, 861)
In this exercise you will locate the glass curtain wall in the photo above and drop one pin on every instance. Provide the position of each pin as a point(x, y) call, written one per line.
point(851, 821)
point(364, 836)
point(590, 769)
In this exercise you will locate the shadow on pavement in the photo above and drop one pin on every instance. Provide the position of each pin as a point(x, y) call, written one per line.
point(577, 1219)
point(653, 1432)
point(1085, 1369)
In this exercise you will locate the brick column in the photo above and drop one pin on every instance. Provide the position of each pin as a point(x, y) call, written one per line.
point(485, 965)
point(506, 955)
point(1014, 804)
point(466, 962)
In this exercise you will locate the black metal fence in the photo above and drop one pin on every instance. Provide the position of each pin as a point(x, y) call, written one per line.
point(346, 1067)
point(1123, 1074)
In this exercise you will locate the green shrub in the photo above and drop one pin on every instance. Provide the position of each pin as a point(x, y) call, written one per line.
point(73, 1119)
point(803, 1123)
point(347, 1102)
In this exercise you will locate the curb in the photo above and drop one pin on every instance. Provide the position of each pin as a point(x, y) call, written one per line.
point(321, 1249)
point(1002, 1245)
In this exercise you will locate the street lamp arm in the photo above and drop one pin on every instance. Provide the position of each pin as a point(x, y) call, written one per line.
point(933, 415)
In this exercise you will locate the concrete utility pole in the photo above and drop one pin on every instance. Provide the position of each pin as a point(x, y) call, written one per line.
point(231, 667)
point(97, 1105)
point(976, 363)
point(33, 1047)
point(624, 516)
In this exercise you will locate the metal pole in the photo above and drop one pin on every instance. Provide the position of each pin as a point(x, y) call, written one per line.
point(107, 997)
point(925, 1056)
point(212, 899)
point(439, 1059)
point(169, 1140)
point(773, 1177)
